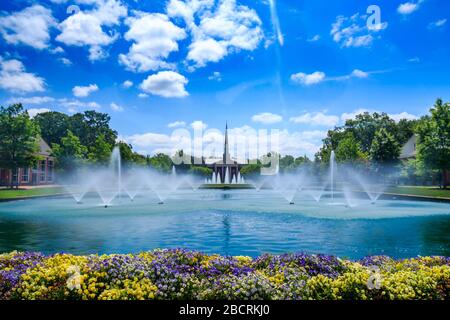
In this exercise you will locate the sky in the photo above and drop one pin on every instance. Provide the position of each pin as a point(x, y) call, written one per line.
point(299, 67)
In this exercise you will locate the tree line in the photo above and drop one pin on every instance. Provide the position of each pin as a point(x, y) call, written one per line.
point(371, 141)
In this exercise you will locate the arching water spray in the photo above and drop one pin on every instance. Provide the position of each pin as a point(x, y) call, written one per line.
point(332, 168)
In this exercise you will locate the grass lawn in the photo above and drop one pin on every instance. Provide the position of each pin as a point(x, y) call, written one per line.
point(20, 193)
point(420, 191)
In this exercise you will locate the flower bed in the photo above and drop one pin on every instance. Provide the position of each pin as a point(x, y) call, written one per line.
point(182, 274)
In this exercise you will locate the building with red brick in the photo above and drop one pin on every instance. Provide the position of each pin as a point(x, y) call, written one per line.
point(41, 174)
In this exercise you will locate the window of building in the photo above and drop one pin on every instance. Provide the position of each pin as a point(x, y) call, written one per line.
point(49, 170)
point(25, 175)
point(42, 171)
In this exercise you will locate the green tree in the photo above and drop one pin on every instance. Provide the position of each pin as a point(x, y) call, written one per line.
point(365, 126)
point(88, 126)
point(251, 170)
point(200, 171)
point(18, 137)
point(70, 153)
point(434, 139)
point(349, 150)
point(385, 149)
point(128, 156)
point(100, 152)
point(161, 162)
point(53, 126)
point(302, 161)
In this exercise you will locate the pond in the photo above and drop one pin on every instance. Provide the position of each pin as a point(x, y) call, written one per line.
point(239, 222)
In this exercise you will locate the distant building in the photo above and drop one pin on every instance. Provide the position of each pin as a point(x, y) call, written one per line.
point(409, 149)
point(42, 173)
point(226, 164)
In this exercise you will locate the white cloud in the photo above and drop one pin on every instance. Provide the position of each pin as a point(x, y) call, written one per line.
point(198, 125)
point(154, 38)
point(13, 77)
point(267, 118)
point(216, 76)
point(314, 38)
point(142, 95)
point(217, 30)
point(149, 140)
point(318, 77)
point(408, 7)
point(353, 31)
point(31, 100)
point(65, 61)
point(84, 91)
point(34, 111)
point(76, 105)
point(176, 124)
point(308, 79)
point(316, 119)
point(437, 24)
point(30, 27)
point(403, 115)
point(168, 84)
point(127, 84)
point(93, 28)
point(116, 107)
point(297, 143)
point(207, 50)
point(359, 74)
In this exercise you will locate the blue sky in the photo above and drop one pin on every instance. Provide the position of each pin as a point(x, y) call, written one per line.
point(298, 66)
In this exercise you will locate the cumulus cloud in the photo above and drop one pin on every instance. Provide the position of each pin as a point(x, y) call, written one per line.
point(154, 38)
point(84, 91)
point(217, 30)
point(14, 78)
point(267, 118)
point(308, 79)
point(167, 84)
point(73, 106)
point(34, 111)
point(408, 7)
point(176, 124)
point(316, 119)
point(198, 125)
point(353, 31)
point(30, 100)
point(30, 27)
point(116, 107)
point(93, 28)
point(246, 139)
point(127, 84)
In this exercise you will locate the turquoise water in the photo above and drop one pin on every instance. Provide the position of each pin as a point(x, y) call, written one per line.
point(230, 223)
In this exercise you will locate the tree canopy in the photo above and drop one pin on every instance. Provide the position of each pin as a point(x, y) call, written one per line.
point(19, 138)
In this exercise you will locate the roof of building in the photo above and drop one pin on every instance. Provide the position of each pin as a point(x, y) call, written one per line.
point(409, 148)
point(44, 148)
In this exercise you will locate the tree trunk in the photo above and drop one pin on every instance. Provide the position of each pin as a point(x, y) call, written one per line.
point(443, 179)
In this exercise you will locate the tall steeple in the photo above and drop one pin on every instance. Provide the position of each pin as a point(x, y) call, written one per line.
point(226, 151)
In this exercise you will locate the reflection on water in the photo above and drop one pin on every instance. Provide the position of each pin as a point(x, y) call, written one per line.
point(226, 232)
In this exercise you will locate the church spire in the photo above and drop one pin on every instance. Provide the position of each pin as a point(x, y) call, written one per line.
point(226, 151)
